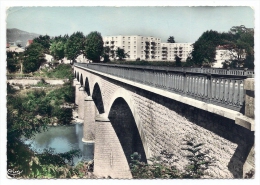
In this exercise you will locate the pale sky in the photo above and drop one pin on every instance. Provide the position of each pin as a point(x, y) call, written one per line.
point(186, 24)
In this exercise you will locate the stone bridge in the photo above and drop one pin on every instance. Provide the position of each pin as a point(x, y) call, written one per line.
point(129, 109)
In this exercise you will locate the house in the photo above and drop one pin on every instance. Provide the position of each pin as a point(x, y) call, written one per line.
point(48, 58)
point(82, 59)
point(29, 42)
point(11, 47)
point(224, 53)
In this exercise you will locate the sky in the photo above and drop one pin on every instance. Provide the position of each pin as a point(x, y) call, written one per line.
point(186, 24)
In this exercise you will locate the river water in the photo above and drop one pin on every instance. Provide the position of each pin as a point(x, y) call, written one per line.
point(63, 139)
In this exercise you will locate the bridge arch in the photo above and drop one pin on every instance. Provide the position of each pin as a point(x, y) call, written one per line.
point(87, 89)
point(97, 98)
point(78, 76)
point(75, 74)
point(81, 80)
point(127, 125)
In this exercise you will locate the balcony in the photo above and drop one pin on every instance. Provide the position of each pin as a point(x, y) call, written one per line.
point(147, 43)
point(153, 48)
point(153, 43)
point(164, 48)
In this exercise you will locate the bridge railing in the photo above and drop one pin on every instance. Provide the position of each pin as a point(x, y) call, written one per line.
point(221, 87)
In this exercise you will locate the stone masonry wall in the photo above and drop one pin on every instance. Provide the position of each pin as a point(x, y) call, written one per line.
point(166, 123)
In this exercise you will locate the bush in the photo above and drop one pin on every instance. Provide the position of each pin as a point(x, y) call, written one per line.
point(163, 166)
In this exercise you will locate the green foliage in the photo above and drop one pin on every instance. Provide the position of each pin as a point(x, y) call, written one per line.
point(94, 46)
point(160, 167)
point(171, 39)
point(44, 41)
point(120, 54)
point(198, 161)
point(144, 63)
point(29, 114)
point(204, 49)
point(106, 54)
point(33, 57)
point(12, 61)
point(178, 61)
point(163, 166)
point(57, 50)
point(62, 71)
point(74, 45)
point(239, 41)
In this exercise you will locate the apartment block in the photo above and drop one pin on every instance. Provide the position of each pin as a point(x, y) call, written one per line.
point(147, 48)
point(171, 50)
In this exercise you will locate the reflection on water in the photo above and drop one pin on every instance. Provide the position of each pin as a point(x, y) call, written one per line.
point(63, 139)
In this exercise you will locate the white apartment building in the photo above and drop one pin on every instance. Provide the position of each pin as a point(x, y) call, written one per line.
point(171, 50)
point(136, 46)
point(147, 48)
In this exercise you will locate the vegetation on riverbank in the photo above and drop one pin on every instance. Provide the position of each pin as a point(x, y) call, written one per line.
point(62, 71)
point(163, 167)
point(30, 112)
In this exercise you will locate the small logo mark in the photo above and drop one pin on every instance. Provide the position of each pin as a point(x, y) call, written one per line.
point(13, 173)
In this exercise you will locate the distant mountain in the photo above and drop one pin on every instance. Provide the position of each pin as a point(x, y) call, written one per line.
point(19, 36)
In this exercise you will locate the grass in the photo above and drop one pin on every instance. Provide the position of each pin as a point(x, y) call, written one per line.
point(61, 71)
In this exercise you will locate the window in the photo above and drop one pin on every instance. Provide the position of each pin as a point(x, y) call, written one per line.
point(123, 42)
point(135, 47)
point(128, 47)
point(128, 42)
point(135, 38)
point(134, 56)
point(134, 51)
point(128, 38)
point(135, 42)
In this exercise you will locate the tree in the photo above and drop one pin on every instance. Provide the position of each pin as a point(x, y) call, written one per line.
point(94, 46)
point(177, 61)
point(106, 54)
point(44, 41)
point(57, 50)
point(74, 46)
point(204, 49)
point(12, 61)
point(239, 41)
point(120, 54)
point(171, 39)
point(33, 57)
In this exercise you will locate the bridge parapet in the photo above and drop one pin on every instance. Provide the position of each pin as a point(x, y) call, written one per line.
point(222, 87)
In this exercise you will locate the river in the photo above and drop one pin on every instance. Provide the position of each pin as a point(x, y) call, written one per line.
point(63, 139)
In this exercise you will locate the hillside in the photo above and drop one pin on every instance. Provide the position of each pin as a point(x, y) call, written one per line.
point(14, 35)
